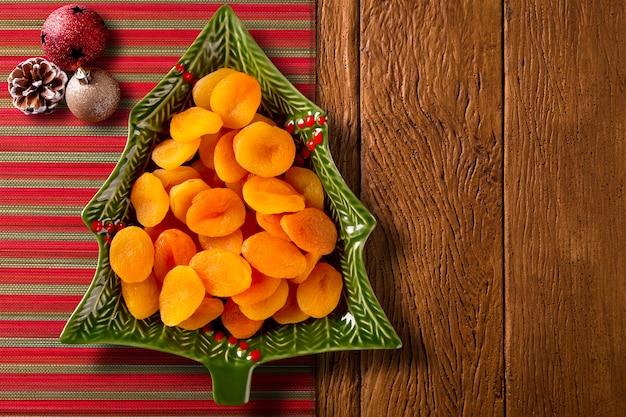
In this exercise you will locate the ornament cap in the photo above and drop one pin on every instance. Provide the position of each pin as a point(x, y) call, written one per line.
point(83, 75)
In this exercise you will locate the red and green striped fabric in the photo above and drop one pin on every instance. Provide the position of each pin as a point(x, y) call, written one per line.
point(51, 165)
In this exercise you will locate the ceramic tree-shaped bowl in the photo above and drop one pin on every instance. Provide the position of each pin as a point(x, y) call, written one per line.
point(102, 317)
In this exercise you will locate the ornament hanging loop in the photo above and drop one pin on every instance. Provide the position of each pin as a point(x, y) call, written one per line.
point(83, 75)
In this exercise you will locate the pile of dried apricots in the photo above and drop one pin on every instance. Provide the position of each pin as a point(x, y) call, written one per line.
point(229, 227)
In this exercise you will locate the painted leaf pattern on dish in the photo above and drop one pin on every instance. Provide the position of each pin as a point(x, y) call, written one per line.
point(102, 317)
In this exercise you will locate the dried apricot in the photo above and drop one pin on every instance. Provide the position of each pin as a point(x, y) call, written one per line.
point(271, 224)
point(173, 247)
point(311, 230)
point(209, 309)
point(273, 256)
point(262, 287)
point(237, 323)
point(307, 183)
point(203, 88)
point(263, 118)
point(236, 99)
point(216, 212)
point(265, 308)
point(319, 294)
point(189, 125)
point(231, 242)
point(290, 313)
point(131, 254)
point(207, 174)
point(311, 261)
point(237, 186)
point(168, 222)
point(226, 166)
point(271, 195)
point(223, 273)
point(250, 225)
point(181, 294)
point(141, 298)
point(206, 150)
point(264, 150)
point(171, 177)
point(169, 154)
point(149, 199)
point(182, 195)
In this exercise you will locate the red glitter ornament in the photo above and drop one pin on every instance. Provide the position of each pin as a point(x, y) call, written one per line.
point(73, 36)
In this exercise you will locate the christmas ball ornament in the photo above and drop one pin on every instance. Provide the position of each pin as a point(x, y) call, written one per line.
point(92, 94)
point(73, 36)
point(37, 86)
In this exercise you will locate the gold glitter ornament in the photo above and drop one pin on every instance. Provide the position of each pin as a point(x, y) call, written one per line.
point(92, 94)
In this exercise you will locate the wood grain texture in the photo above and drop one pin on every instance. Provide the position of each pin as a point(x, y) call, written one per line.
point(338, 374)
point(489, 139)
point(431, 145)
point(565, 208)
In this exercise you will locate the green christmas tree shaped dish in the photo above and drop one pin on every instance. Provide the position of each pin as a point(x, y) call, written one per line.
point(102, 317)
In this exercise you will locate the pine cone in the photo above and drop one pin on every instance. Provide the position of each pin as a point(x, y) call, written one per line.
point(37, 86)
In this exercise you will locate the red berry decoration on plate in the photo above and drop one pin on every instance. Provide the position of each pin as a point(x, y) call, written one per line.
point(73, 36)
point(92, 95)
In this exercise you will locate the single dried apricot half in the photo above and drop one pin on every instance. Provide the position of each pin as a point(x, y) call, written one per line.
point(271, 195)
point(236, 99)
point(181, 196)
point(271, 224)
point(203, 88)
point(181, 294)
point(319, 294)
point(169, 154)
point(150, 200)
point(131, 254)
point(307, 183)
point(189, 125)
point(172, 247)
point(262, 287)
point(223, 273)
point(226, 166)
point(264, 150)
point(273, 256)
point(207, 148)
point(209, 309)
point(237, 323)
point(311, 260)
point(231, 242)
point(216, 212)
point(290, 313)
point(141, 298)
point(265, 308)
point(171, 177)
point(311, 230)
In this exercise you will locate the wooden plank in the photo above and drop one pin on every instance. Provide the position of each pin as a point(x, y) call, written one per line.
point(338, 374)
point(565, 159)
point(431, 172)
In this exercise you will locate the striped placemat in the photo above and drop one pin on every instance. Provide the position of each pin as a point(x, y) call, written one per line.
point(51, 165)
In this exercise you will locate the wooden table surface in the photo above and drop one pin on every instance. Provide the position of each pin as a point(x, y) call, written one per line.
point(489, 140)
